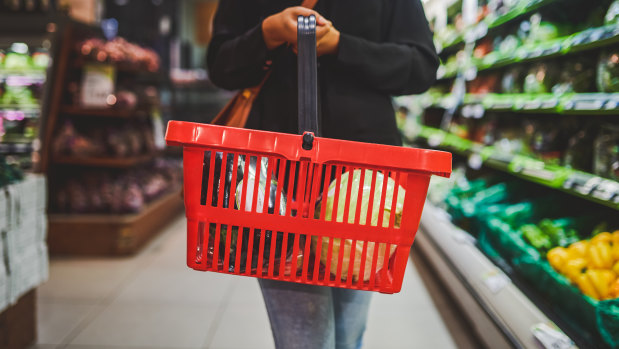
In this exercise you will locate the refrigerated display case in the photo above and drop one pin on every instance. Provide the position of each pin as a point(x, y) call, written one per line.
point(526, 98)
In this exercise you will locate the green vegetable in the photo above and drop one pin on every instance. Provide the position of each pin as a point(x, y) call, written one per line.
point(354, 199)
point(536, 237)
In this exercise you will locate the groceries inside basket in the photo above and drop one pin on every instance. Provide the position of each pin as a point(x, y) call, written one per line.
point(276, 186)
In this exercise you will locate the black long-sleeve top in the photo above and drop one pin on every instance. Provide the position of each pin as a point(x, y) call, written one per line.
point(385, 49)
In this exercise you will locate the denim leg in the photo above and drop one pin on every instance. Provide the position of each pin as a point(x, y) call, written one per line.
point(351, 312)
point(301, 316)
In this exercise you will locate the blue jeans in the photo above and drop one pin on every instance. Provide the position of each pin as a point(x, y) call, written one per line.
point(315, 317)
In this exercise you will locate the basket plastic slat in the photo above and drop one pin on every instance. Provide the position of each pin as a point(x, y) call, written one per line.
point(244, 189)
point(283, 258)
point(209, 181)
point(301, 188)
point(316, 175)
point(232, 197)
point(336, 198)
point(394, 200)
point(227, 250)
point(359, 197)
point(340, 261)
point(199, 244)
point(280, 185)
point(295, 256)
point(237, 257)
point(327, 277)
point(325, 191)
point(317, 257)
point(348, 196)
point(256, 188)
point(386, 256)
point(363, 258)
point(293, 168)
point(306, 258)
point(374, 264)
point(351, 263)
point(272, 254)
point(383, 195)
point(250, 250)
point(368, 214)
point(222, 179)
point(216, 249)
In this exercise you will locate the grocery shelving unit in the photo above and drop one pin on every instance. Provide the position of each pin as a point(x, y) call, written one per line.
point(99, 233)
point(504, 309)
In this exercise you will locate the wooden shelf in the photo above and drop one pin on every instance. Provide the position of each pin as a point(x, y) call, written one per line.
point(18, 324)
point(113, 162)
point(109, 234)
point(103, 112)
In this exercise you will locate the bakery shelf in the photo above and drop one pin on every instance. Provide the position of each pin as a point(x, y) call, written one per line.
point(588, 186)
point(110, 234)
point(110, 162)
point(103, 112)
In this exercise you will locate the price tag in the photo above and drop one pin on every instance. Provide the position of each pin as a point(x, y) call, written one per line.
point(530, 105)
point(158, 129)
point(495, 280)
point(541, 174)
point(475, 161)
point(549, 104)
point(98, 82)
point(470, 73)
point(606, 190)
point(550, 337)
point(436, 139)
point(594, 104)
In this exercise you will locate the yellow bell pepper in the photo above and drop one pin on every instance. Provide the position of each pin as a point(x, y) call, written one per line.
point(573, 268)
point(615, 251)
point(578, 249)
point(586, 286)
point(602, 237)
point(616, 267)
point(601, 280)
point(557, 257)
point(614, 290)
point(600, 255)
point(615, 235)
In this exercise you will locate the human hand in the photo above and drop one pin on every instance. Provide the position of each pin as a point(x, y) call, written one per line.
point(329, 42)
point(281, 27)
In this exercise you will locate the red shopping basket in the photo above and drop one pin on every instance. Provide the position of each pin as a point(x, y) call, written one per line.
point(301, 208)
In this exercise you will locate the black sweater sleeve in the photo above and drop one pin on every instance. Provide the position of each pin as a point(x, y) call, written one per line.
point(405, 62)
point(237, 54)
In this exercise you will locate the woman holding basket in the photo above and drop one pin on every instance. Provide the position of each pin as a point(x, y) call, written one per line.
point(368, 51)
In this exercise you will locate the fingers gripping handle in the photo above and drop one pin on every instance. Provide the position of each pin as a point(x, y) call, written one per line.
point(307, 79)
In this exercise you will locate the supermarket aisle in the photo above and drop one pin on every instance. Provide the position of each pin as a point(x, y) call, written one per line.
point(154, 301)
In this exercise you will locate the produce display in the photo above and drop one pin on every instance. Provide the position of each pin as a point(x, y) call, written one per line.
point(592, 265)
point(243, 190)
point(115, 192)
point(119, 50)
point(113, 140)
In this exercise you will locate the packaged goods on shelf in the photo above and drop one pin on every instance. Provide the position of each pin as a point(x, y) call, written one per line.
point(24, 265)
point(94, 191)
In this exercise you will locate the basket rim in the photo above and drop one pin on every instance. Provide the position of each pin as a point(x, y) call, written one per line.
point(325, 150)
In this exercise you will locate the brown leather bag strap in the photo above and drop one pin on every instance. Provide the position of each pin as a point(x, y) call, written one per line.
point(309, 3)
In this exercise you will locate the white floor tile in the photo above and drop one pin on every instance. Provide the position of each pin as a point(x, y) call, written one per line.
point(56, 320)
point(243, 327)
point(149, 325)
point(246, 291)
point(86, 279)
point(183, 286)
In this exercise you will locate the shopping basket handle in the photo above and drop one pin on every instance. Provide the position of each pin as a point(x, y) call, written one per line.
point(306, 60)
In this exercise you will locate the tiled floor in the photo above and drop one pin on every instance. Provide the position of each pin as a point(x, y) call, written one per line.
point(153, 300)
